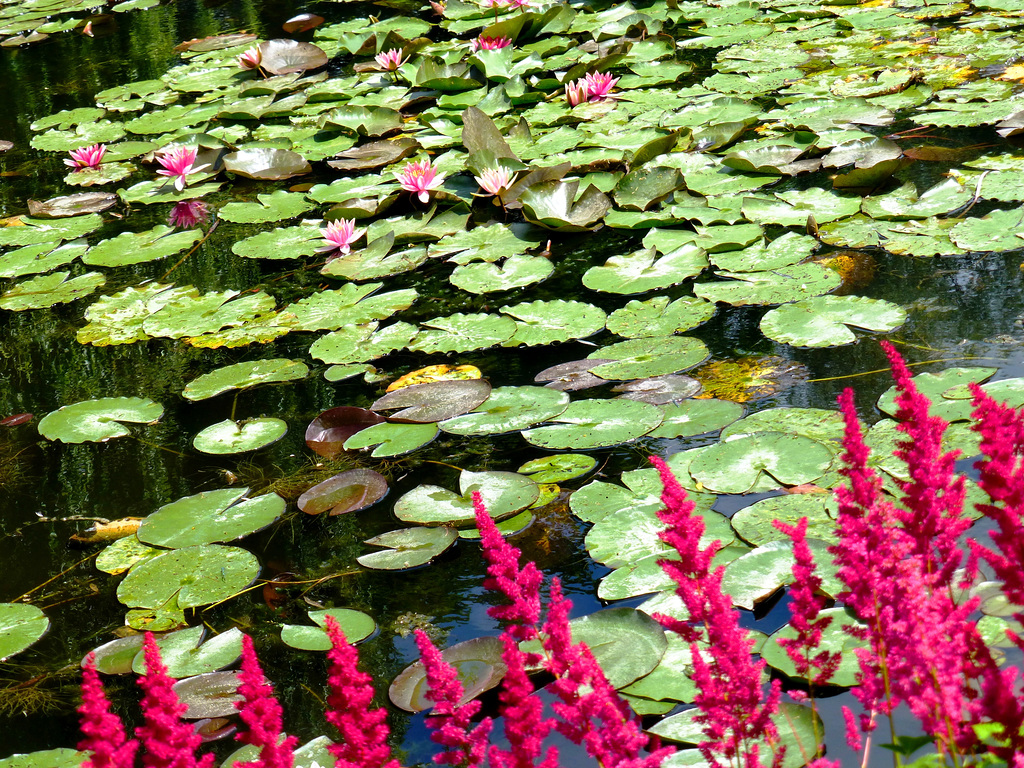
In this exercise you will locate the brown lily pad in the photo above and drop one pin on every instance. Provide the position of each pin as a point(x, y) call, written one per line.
point(435, 401)
point(478, 665)
point(571, 376)
point(374, 154)
point(215, 42)
point(71, 205)
point(345, 492)
point(302, 23)
point(327, 433)
point(279, 57)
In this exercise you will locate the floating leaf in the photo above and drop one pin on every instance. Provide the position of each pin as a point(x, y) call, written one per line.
point(649, 356)
point(98, 420)
point(138, 247)
point(276, 206)
point(588, 424)
point(20, 626)
point(279, 57)
point(434, 401)
point(115, 657)
point(749, 378)
point(348, 491)
point(408, 547)
point(504, 494)
point(392, 439)
point(660, 390)
point(758, 574)
point(778, 286)
point(36, 259)
point(71, 205)
point(327, 433)
point(555, 205)
point(744, 464)
point(548, 322)
point(189, 577)
point(266, 163)
point(558, 468)
point(835, 638)
point(123, 554)
point(48, 290)
point(284, 243)
point(754, 523)
point(355, 624)
point(697, 417)
point(212, 694)
point(478, 667)
point(463, 333)
point(208, 517)
point(823, 321)
point(659, 316)
point(230, 436)
point(509, 409)
point(185, 655)
point(244, 376)
point(517, 271)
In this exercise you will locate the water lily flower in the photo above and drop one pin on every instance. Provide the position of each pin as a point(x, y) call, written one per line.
point(339, 236)
point(420, 177)
point(576, 92)
point(599, 85)
point(495, 180)
point(251, 59)
point(483, 43)
point(86, 157)
point(179, 164)
point(391, 60)
point(188, 214)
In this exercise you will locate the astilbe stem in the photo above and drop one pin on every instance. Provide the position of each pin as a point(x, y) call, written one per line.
point(363, 730)
point(735, 713)
point(103, 730)
point(168, 741)
point(450, 719)
point(261, 713)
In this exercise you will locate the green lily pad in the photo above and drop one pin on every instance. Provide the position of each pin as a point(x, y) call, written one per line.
point(760, 460)
point(587, 424)
point(755, 576)
point(360, 343)
point(276, 206)
point(509, 409)
point(349, 305)
point(282, 243)
point(209, 695)
point(834, 638)
point(266, 163)
point(189, 577)
point(648, 356)
point(189, 313)
point(556, 205)
point(123, 554)
point(792, 208)
point(348, 491)
point(783, 251)
point(547, 322)
point(777, 286)
point(208, 517)
point(62, 757)
point(185, 655)
point(244, 376)
point(48, 290)
point(71, 205)
point(118, 319)
point(754, 523)
point(20, 626)
point(434, 401)
point(660, 316)
point(504, 494)
point(98, 420)
point(40, 258)
point(697, 417)
point(517, 271)
point(355, 624)
point(823, 321)
point(463, 333)
point(392, 439)
point(115, 657)
point(138, 247)
point(672, 679)
point(558, 468)
point(477, 664)
point(933, 385)
point(27, 231)
point(996, 231)
point(640, 271)
point(229, 436)
point(816, 423)
point(408, 547)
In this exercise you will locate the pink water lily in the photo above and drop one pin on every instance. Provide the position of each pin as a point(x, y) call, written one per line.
point(86, 157)
point(179, 164)
point(483, 43)
point(188, 214)
point(596, 86)
point(251, 59)
point(576, 92)
point(391, 60)
point(339, 236)
point(420, 177)
point(495, 180)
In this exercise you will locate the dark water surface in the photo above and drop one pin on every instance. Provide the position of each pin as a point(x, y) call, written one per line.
point(963, 309)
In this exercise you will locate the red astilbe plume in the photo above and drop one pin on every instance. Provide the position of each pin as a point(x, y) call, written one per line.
point(591, 711)
point(169, 742)
point(103, 730)
point(364, 732)
point(735, 713)
point(261, 712)
point(524, 722)
point(450, 719)
point(805, 606)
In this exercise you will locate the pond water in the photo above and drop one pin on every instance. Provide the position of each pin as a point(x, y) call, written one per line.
point(962, 310)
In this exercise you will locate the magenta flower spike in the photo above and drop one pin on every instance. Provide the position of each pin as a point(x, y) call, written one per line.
point(251, 59)
point(599, 85)
point(103, 730)
point(483, 43)
point(391, 60)
point(188, 214)
point(339, 235)
point(179, 164)
point(168, 741)
point(86, 157)
point(261, 712)
point(363, 731)
point(420, 177)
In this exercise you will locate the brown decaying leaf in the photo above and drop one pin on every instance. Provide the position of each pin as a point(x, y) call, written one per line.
point(112, 531)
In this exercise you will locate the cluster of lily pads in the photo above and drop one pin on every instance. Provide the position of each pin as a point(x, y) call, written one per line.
point(730, 188)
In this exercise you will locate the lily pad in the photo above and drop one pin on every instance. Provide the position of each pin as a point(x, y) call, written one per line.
point(778, 286)
point(230, 436)
point(138, 247)
point(558, 468)
point(477, 664)
point(327, 433)
point(835, 638)
point(660, 316)
point(548, 322)
point(279, 57)
point(509, 409)
point(71, 205)
point(641, 271)
point(211, 694)
point(697, 417)
point(39, 258)
point(208, 517)
point(648, 356)
point(660, 390)
point(824, 321)
point(276, 206)
point(348, 491)
point(754, 523)
point(758, 574)
point(20, 626)
point(115, 657)
point(588, 424)
point(504, 494)
point(388, 439)
point(98, 420)
point(266, 163)
point(355, 624)
point(185, 655)
point(408, 547)
point(244, 376)
point(758, 461)
point(434, 401)
point(189, 577)
point(49, 290)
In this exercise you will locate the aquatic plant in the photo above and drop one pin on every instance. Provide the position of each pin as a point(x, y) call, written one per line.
point(339, 236)
point(494, 181)
point(87, 157)
point(420, 177)
point(188, 213)
point(390, 60)
point(251, 59)
point(179, 164)
point(485, 43)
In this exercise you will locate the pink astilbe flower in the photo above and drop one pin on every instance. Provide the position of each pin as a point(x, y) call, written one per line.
point(86, 157)
point(450, 719)
point(734, 711)
point(484, 43)
point(179, 164)
point(494, 181)
point(364, 731)
point(169, 742)
point(103, 730)
point(599, 85)
point(420, 177)
point(805, 607)
point(389, 61)
point(251, 59)
point(188, 213)
point(261, 712)
point(339, 235)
